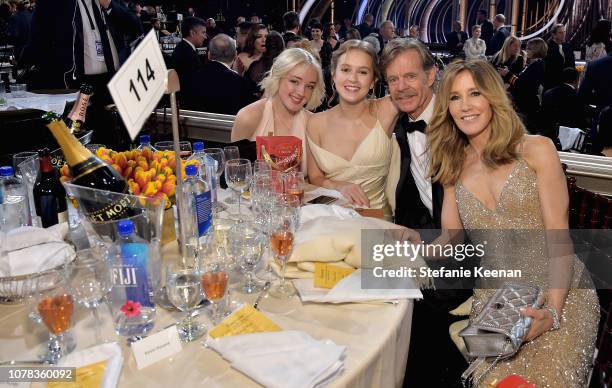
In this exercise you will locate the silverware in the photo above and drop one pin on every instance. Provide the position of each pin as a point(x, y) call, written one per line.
point(264, 290)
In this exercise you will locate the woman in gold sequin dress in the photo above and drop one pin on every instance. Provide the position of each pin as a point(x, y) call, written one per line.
point(508, 188)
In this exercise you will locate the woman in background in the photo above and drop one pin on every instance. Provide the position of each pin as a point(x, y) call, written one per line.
point(258, 69)
point(475, 47)
point(509, 60)
point(497, 179)
point(254, 47)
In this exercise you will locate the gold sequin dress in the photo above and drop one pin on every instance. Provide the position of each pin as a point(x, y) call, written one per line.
point(560, 358)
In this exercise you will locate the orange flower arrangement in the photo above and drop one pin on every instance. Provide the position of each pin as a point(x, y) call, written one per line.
point(148, 173)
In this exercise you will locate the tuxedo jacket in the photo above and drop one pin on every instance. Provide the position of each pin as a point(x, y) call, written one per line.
point(409, 208)
point(555, 63)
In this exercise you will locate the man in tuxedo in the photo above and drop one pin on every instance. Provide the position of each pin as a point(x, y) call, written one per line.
point(486, 27)
point(561, 106)
point(216, 87)
point(560, 56)
point(499, 37)
point(185, 58)
point(596, 87)
point(386, 33)
point(366, 26)
point(291, 22)
point(455, 39)
point(410, 71)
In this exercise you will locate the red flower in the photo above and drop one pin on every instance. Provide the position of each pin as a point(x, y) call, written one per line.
point(131, 309)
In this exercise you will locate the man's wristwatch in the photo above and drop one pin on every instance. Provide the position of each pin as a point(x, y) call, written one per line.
point(556, 324)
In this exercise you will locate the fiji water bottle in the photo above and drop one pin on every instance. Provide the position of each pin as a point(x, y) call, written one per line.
point(208, 168)
point(15, 207)
point(133, 274)
point(198, 197)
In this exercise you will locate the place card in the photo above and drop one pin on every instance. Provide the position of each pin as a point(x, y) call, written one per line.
point(328, 275)
point(156, 347)
point(245, 320)
point(88, 376)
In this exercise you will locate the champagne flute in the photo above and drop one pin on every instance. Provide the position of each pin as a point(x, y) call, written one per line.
point(214, 282)
point(185, 293)
point(231, 152)
point(247, 246)
point(218, 155)
point(55, 307)
point(282, 234)
point(294, 184)
point(238, 176)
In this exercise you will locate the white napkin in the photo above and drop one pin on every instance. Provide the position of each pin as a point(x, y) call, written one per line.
point(349, 290)
point(282, 359)
point(311, 212)
point(29, 250)
point(110, 351)
point(568, 136)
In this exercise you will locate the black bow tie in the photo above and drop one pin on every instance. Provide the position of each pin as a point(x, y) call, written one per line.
point(418, 125)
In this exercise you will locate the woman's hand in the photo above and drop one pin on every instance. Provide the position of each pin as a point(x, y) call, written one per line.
point(542, 321)
point(353, 193)
point(503, 71)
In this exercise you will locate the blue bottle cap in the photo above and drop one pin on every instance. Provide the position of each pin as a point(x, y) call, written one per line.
point(125, 228)
point(6, 171)
point(198, 146)
point(145, 139)
point(191, 170)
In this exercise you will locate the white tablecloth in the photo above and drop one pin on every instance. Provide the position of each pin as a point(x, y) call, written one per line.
point(47, 102)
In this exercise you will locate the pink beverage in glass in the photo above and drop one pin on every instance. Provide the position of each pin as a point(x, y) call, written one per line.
point(294, 185)
point(214, 285)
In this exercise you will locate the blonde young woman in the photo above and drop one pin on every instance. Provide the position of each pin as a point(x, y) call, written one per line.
point(508, 189)
point(293, 86)
point(349, 146)
point(509, 61)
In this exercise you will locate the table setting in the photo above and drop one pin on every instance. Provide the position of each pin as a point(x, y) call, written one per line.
point(246, 311)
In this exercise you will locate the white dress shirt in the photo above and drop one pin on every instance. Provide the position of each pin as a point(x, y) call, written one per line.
point(93, 56)
point(419, 158)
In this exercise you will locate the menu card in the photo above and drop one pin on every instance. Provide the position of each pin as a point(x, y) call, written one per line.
point(88, 376)
point(245, 320)
point(328, 275)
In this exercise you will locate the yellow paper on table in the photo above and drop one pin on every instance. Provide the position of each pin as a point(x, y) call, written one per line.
point(244, 321)
point(88, 376)
point(327, 275)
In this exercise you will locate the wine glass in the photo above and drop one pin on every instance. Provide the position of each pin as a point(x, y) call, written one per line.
point(55, 306)
point(185, 293)
point(238, 176)
point(21, 157)
point(247, 246)
point(184, 147)
point(294, 184)
point(218, 155)
point(282, 233)
point(231, 152)
point(215, 277)
point(260, 167)
point(89, 281)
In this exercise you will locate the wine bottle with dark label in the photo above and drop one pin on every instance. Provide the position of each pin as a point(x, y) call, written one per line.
point(49, 194)
point(76, 118)
point(89, 171)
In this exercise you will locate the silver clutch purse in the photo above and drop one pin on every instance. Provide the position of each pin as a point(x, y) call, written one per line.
point(499, 330)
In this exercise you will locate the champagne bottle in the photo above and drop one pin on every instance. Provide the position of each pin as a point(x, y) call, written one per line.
point(89, 171)
point(49, 194)
point(76, 118)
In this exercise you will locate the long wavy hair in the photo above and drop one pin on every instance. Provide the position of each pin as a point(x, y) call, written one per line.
point(447, 144)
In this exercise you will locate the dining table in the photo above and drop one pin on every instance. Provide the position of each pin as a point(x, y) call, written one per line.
point(376, 336)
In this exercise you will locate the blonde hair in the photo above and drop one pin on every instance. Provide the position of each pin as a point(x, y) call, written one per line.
point(354, 44)
point(447, 143)
point(283, 64)
point(502, 55)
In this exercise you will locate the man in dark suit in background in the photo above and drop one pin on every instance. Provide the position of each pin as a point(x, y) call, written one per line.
point(409, 69)
point(291, 23)
point(486, 27)
point(499, 37)
point(561, 105)
point(19, 28)
point(367, 25)
point(216, 87)
point(455, 39)
point(596, 87)
point(185, 58)
point(560, 56)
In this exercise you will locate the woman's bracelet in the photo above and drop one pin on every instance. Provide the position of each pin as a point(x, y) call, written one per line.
point(556, 324)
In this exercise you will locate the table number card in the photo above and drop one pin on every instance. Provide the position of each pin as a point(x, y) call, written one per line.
point(156, 347)
point(328, 275)
point(245, 320)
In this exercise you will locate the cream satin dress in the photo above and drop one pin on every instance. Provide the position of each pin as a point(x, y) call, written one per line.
point(368, 167)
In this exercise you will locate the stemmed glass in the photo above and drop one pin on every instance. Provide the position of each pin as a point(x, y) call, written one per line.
point(184, 147)
point(21, 157)
point(55, 307)
point(247, 246)
point(266, 184)
point(282, 233)
point(238, 176)
point(215, 277)
point(231, 152)
point(261, 167)
point(294, 184)
point(89, 281)
point(185, 293)
point(27, 166)
point(218, 155)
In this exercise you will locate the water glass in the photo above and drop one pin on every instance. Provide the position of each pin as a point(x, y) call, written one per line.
point(218, 155)
point(21, 157)
point(231, 152)
point(18, 90)
point(260, 167)
point(294, 184)
point(248, 247)
point(27, 166)
point(238, 176)
point(184, 291)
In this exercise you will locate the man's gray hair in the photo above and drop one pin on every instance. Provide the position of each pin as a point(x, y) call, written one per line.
point(398, 46)
point(222, 48)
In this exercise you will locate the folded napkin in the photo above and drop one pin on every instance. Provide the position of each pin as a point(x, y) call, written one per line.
point(282, 359)
point(29, 250)
point(311, 212)
point(110, 352)
point(349, 290)
point(568, 136)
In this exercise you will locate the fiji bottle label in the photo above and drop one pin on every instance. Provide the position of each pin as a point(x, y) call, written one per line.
point(203, 212)
point(134, 280)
